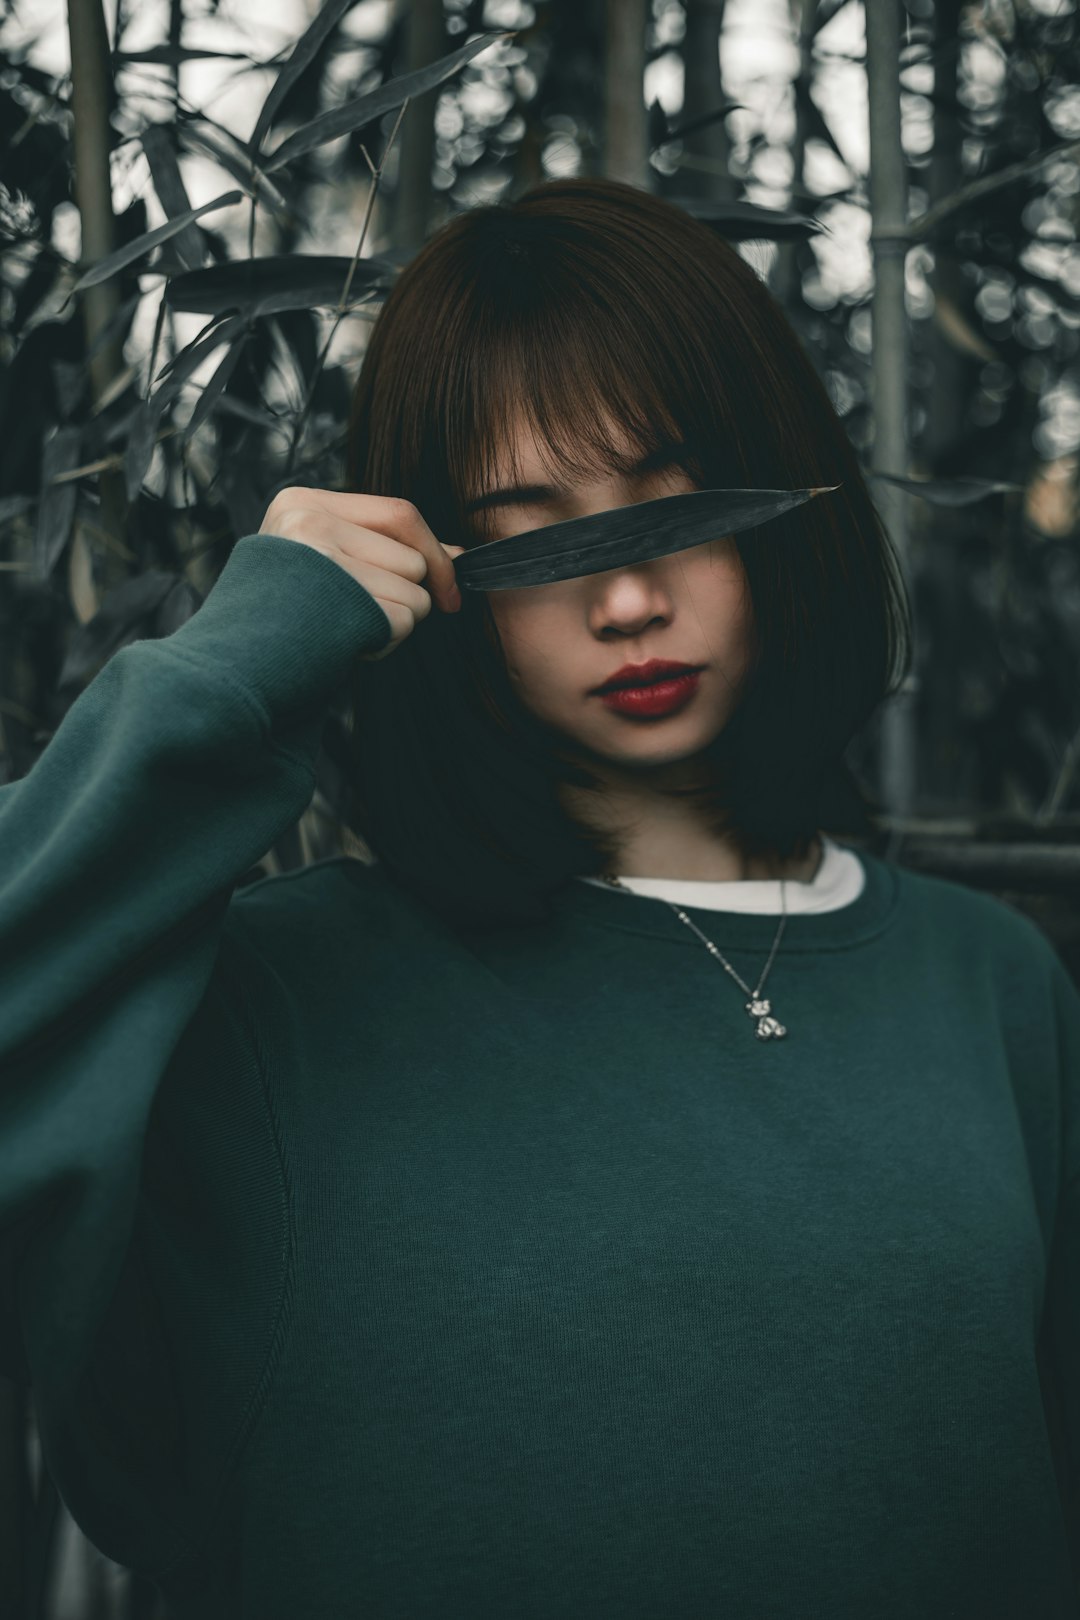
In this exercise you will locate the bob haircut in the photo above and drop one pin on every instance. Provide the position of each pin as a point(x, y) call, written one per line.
point(587, 304)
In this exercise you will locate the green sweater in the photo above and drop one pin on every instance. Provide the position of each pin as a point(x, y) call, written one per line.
point(365, 1266)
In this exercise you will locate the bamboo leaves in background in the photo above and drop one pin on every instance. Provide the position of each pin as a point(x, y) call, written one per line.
point(388, 98)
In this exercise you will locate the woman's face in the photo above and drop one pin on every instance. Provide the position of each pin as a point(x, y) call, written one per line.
point(563, 640)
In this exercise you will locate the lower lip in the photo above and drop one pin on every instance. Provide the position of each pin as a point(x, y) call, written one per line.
point(661, 697)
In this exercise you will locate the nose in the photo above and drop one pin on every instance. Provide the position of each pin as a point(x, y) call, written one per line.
point(626, 601)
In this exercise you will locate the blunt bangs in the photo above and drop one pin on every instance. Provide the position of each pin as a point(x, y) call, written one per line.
point(591, 311)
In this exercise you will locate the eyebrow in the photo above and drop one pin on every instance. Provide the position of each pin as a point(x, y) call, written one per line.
point(664, 455)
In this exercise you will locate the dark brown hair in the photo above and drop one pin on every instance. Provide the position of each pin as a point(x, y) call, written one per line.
point(586, 304)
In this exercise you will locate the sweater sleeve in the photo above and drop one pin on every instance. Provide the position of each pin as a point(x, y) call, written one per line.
point(170, 776)
point(1060, 1339)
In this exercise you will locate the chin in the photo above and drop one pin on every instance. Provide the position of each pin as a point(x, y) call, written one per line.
point(646, 747)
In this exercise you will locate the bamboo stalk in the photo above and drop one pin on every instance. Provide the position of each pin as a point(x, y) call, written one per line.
point(91, 96)
point(703, 94)
point(888, 375)
point(625, 154)
point(413, 194)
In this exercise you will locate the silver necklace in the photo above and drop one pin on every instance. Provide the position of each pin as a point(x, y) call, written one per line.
point(768, 1028)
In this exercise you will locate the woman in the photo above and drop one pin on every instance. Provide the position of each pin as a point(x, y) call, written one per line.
point(588, 330)
point(438, 1235)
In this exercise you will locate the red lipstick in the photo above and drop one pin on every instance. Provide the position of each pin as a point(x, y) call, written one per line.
point(655, 688)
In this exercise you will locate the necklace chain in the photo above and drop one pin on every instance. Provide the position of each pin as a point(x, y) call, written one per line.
point(768, 1027)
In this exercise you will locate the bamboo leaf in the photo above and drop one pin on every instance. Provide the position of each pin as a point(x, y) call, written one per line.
point(245, 411)
point(948, 491)
point(171, 192)
point(236, 485)
point(657, 132)
point(747, 222)
point(814, 121)
point(679, 132)
point(221, 144)
point(146, 242)
point(181, 366)
point(139, 448)
point(277, 282)
point(174, 55)
point(925, 227)
point(146, 420)
point(214, 387)
point(826, 11)
point(56, 503)
point(364, 109)
point(116, 328)
point(303, 55)
point(621, 536)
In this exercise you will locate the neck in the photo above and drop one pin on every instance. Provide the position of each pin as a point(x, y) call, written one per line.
point(712, 862)
point(661, 837)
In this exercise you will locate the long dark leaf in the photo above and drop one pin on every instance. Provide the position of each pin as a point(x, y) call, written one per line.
point(243, 495)
point(139, 446)
point(116, 327)
point(145, 421)
point(303, 55)
point(172, 193)
point(747, 222)
point(949, 491)
point(276, 282)
point(181, 366)
point(657, 131)
point(622, 536)
point(679, 132)
point(148, 240)
point(246, 412)
point(814, 122)
point(173, 55)
point(56, 507)
point(210, 393)
point(826, 11)
point(926, 227)
point(364, 109)
point(221, 144)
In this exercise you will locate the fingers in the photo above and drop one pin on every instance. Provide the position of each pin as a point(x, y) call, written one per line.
point(400, 520)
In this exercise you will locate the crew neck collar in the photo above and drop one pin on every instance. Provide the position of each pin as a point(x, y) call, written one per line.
point(867, 915)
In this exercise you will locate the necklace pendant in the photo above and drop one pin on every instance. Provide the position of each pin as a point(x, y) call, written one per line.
point(768, 1028)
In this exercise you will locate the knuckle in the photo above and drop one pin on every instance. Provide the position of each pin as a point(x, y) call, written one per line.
point(282, 500)
point(401, 510)
point(298, 520)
